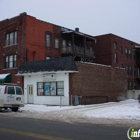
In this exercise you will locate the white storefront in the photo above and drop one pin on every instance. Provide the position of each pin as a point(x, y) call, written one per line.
point(47, 81)
point(48, 88)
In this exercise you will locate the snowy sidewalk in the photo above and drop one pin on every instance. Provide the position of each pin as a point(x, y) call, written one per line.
point(122, 113)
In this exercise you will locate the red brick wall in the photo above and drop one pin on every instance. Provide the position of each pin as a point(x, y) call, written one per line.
point(100, 83)
point(36, 39)
point(104, 53)
point(6, 26)
point(102, 50)
point(31, 41)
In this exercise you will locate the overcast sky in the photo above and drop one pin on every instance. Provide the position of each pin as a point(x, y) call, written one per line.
point(94, 17)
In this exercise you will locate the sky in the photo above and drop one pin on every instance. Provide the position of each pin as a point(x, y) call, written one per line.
point(93, 17)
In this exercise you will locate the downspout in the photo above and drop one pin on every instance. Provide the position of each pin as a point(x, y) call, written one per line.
point(34, 55)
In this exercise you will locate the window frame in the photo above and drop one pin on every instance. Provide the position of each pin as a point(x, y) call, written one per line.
point(121, 50)
point(10, 61)
point(115, 58)
point(11, 38)
point(127, 69)
point(57, 42)
point(115, 45)
point(48, 40)
point(64, 43)
point(130, 53)
point(126, 52)
point(41, 88)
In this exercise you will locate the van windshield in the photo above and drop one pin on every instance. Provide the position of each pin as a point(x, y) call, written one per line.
point(18, 91)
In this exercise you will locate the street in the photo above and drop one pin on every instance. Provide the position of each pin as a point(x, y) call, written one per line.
point(15, 128)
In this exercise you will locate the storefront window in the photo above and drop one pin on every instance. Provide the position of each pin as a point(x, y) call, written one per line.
point(60, 88)
point(50, 88)
point(40, 89)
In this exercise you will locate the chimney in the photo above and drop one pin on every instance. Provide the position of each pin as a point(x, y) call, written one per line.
point(77, 29)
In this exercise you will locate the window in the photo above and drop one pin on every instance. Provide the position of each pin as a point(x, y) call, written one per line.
point(11, 38)
point(127, 69)
point(18, 91)
point(126, 52)
point(48, 40)
point(128, 85)
point(69, 43)
point(64, 43)
point(10, 61)
point(134, 85)
point(56, 42)
point(130, 69)
point(11, 90)
point(50, 88)
point(130, 53)
point(115, 58)
point(115, 45)
point(134, 70)
point(138, 72)
point(131, 86)
point(121, 50)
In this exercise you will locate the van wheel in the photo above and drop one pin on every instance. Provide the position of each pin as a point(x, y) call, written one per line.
point(15, 109)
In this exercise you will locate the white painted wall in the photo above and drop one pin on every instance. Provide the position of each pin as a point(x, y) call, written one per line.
point(48, 100)
point(133, 94)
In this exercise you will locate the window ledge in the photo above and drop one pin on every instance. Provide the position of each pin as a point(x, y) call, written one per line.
point(10, 68)
point(10, 45)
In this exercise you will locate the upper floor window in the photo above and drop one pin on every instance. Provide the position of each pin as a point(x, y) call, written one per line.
point(48, 40)
point(126, 52)
point(131, 86)
point(64, 43)
point(115, 58)
point(127, 69)
point(115, 45)
point(69, 43)
point(134, 70)
point(121, 50)
point(10, 61)
point(56, 42)
point(11, 38)
point(130, 53)
point(130, 69)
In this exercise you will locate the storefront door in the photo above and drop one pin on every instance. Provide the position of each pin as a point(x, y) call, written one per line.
point(30, 94)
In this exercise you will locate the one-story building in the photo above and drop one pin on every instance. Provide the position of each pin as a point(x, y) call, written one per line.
point(62, 81)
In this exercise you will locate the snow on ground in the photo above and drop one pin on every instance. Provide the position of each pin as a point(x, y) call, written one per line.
point(126, 113)
point(128, 110)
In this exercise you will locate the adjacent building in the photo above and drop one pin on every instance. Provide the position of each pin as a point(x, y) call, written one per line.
point(119, 52)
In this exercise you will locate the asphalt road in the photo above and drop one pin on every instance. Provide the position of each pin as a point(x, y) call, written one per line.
point(14, 128)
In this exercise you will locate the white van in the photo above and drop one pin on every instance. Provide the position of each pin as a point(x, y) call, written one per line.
point(11, 96)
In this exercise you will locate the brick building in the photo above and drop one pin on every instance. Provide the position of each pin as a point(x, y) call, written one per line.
point(26, 39)
point(119, 52)
point(64, 81)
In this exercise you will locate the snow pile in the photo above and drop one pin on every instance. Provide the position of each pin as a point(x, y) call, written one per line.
point(43, 108)
point(128, 109)
point(124, 110)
